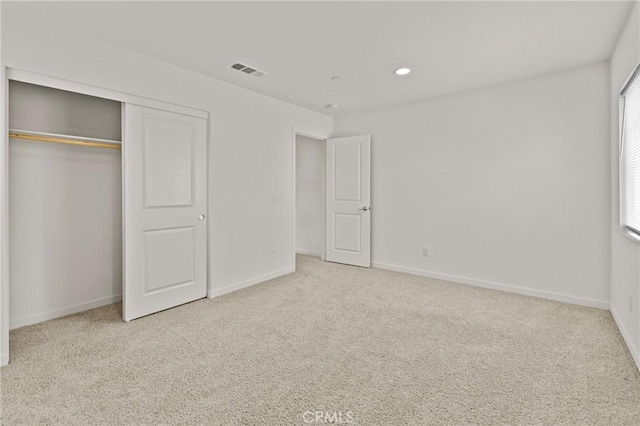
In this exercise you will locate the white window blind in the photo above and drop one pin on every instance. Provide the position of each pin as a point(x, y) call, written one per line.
point(630, 155)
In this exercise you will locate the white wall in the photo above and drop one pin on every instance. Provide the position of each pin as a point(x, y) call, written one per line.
point(310, 172)
point(65, 230)
point(250, 141)
point(508, 186)
point(43, 109)
point(625, 253)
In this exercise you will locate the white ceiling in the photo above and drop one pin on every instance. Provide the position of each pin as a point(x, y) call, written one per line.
point(451, 46)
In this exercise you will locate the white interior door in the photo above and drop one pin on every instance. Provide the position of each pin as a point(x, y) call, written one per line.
point(165, 204)
point(348, 200)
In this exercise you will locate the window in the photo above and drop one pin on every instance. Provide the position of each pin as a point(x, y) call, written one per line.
point(630, 156)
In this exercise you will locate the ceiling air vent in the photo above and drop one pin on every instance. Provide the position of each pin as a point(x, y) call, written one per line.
point(246, 69)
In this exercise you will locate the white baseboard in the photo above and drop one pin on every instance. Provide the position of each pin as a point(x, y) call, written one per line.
point(308, 252)
point(248, 283)
point(600, 304)
point(635, 354)
point(63, 312)
point(4, 359)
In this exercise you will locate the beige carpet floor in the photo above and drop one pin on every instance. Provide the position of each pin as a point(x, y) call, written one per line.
point(381, 347)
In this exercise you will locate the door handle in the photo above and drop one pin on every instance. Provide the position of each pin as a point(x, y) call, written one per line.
point(365, 209)
point(201, 217)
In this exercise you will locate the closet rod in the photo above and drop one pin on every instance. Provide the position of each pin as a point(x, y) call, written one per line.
point(34, 136)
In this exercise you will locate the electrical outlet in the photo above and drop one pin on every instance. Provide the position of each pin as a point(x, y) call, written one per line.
point(630, 303)
point(272, 252)
point(425, 251)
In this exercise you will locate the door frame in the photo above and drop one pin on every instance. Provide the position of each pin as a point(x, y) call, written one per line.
point(7, 74)
point(323, 254)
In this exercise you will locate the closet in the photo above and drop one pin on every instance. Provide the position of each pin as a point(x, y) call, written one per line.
point(65, 202)
point(107, 201)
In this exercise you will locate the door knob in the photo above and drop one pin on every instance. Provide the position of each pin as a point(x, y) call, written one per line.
point(201, 217)
point(365, 208)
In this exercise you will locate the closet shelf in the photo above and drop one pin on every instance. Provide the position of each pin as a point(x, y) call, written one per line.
point(64, 139)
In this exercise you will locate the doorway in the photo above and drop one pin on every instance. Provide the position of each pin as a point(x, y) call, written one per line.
point(332, 198)
point(310, 167)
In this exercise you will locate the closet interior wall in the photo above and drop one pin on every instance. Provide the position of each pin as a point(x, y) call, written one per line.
point(65, 214)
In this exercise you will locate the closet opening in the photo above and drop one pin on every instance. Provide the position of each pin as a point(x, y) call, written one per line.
point(310, 165)
point(65, 203)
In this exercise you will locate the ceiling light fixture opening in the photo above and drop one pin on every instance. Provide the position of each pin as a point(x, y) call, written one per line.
point(402, 71)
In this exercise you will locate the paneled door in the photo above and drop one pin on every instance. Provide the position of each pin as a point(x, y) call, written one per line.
point(165, 207)
point(348, 200)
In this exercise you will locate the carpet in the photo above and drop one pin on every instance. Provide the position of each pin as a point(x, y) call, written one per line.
point(329, 343)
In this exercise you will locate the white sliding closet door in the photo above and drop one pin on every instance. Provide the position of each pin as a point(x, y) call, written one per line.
point(165, 203)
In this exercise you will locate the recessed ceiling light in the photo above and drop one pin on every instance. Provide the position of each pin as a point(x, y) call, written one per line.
point(402, 71)
point(332, 106)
